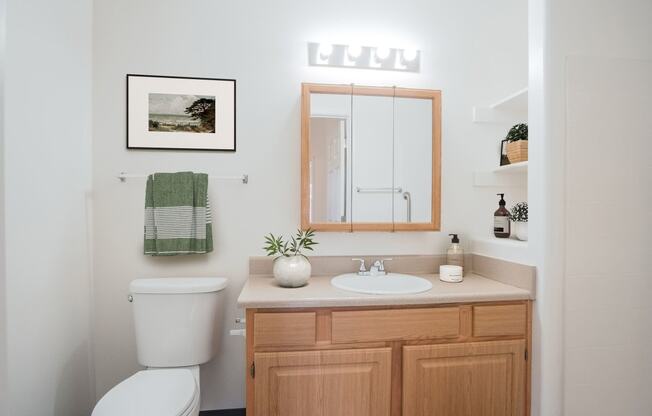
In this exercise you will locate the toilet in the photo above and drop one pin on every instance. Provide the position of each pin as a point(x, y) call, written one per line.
point(177, 322)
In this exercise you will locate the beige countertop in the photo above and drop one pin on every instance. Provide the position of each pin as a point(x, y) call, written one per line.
point(261, 291)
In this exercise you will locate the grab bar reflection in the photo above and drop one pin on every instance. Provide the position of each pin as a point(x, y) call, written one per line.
point(408, 197)
point(378, 190)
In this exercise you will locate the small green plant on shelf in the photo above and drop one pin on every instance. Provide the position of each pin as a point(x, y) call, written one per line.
point(517, 144)
point(516, 133)
point(519, 212)
point(278, 246)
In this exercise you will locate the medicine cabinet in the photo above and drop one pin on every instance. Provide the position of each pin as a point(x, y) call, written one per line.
point(370, 158)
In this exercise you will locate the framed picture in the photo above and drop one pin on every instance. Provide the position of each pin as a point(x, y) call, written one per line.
point(180, 113)
point(504, 160)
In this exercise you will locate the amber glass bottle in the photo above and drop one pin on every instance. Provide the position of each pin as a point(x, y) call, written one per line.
point(501, 219)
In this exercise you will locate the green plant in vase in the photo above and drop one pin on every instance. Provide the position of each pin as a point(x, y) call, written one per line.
point(519, 216)
point(517, 143)
point(291, 266)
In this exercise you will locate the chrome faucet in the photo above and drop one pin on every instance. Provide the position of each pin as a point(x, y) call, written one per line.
point(363, 269)
point(377, 269)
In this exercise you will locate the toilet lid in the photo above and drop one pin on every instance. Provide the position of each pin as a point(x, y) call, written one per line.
point(163, 392)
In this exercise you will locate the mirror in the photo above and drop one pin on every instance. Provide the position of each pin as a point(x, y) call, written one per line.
point(370, 158)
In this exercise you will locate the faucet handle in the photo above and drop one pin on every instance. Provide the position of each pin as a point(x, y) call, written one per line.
point(382, 264)
point(363, 268)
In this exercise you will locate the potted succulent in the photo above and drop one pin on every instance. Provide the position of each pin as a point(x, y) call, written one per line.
point(517, 143)
point(518, 215)
point(291, 266)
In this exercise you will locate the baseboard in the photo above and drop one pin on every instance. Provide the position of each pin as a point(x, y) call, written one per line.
point(227, 412)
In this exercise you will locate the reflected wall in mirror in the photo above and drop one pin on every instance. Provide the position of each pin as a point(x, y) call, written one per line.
point(370, 158)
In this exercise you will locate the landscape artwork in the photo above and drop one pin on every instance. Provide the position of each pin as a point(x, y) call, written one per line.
point(181, 113)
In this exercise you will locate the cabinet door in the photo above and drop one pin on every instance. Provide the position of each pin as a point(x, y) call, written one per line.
point(474, 379)
point(323, 383)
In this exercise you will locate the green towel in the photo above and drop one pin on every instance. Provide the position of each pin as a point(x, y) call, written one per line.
point(177, 214)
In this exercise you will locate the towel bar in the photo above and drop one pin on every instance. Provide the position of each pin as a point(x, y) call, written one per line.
point(123, 176)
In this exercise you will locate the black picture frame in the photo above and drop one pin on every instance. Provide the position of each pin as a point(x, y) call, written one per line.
point(130, 146)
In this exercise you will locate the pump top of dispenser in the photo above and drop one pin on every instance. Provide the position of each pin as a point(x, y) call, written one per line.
point(455, 240)
point(502, 199)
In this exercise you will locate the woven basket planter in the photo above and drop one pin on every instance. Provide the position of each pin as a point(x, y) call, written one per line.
point(517, 151)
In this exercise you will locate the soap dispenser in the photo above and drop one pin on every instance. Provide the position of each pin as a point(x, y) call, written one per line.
point(455, 253)
point(501, 219)
point(453, 270)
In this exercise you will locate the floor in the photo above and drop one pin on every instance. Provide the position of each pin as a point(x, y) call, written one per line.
point(230, 412)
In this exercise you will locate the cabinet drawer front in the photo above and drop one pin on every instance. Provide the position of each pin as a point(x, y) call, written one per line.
point(499, 320)
point(395, 324)
point(284, 329)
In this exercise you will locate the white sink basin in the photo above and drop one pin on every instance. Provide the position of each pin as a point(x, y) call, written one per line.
point(390, 284)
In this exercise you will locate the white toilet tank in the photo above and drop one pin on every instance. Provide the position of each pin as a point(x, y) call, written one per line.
point(178, 320)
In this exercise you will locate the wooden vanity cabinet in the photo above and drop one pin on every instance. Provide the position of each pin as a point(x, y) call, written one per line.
point(449, 360)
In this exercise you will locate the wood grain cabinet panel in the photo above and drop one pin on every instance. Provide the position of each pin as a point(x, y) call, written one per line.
point(285, 329)
point(473, 379)
point(395, 324)
point(323, 383)
point(499, 320)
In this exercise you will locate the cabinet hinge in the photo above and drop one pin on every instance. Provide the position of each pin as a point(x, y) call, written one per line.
point(252, 370)
point(525, 355)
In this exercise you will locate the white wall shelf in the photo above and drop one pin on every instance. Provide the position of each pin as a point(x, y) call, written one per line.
point(520, 167)
point(508, 175)
point(503, 109)
point(509, 249)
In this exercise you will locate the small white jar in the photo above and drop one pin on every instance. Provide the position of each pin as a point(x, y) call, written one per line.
point(451, 274)
point(293, 271)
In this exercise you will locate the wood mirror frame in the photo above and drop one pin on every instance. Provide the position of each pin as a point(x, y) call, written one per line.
point(434, 95)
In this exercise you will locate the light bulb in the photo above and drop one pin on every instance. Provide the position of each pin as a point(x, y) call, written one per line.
point(354, 51)
point(409, 55)
point(325, 50)
point(400, 62)
point(382, 53)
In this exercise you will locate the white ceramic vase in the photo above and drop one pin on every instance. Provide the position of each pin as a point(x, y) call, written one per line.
point(521, 231)
point(293, 271)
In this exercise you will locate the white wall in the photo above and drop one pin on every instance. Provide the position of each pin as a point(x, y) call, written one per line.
point(3, 286)
point(47, 168)
point(472, 51)
point(593, 315)
point(608, 328)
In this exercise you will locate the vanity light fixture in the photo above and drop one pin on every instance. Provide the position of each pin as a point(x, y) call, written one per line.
point(364, 57)
point(382, 53)
point(354, 51)
point(399, 62)
point(405, 57)
point(325, 51)
point(409, 55)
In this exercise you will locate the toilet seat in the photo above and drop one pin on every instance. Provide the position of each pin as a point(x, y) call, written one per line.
point(160, 392)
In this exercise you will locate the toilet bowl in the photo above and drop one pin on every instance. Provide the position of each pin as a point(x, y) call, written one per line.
point(177, 321)
point(155, 392)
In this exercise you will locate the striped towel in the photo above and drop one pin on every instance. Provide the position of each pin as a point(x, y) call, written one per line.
point(177, 214)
